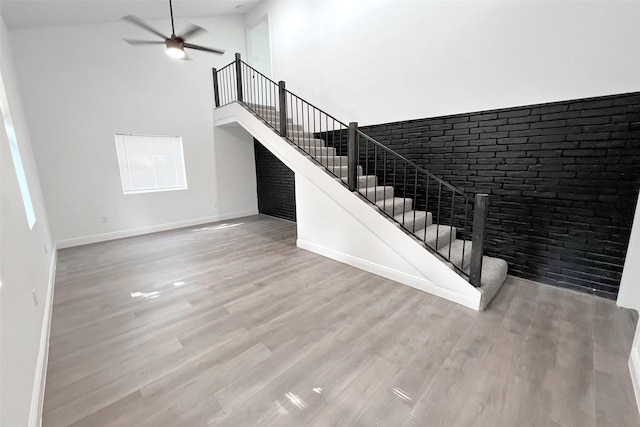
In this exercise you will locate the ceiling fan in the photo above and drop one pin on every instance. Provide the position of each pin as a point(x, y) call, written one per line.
point(175, 44)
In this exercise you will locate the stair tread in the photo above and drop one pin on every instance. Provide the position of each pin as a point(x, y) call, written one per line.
point(437, 232)
point(376, 191)
point(393, 200)
point(395, 205)
point(364, 180)
point(492, 269)
point(457, 247)
point(414, 220)
point(340, 171)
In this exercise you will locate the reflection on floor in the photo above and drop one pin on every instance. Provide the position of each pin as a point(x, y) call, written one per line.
point(231, 324)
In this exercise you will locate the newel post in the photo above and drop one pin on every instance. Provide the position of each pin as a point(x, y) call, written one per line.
point(480, 211)
point(239, 76)
point(282, 93)
point(352, 157)
point(216, 90)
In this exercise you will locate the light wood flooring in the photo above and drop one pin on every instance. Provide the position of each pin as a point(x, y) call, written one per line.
point(230, 324)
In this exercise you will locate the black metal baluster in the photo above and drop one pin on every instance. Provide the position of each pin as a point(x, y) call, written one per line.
point(366, 172)
point(453, 199)
point(438, 224)
point(426, 210)
point(260, 106)
point(415, 201)
point(224, 88)
point(393, 200)
point(227, 87)
point(464, 239)
point(375, 172)
point(253, 95)
point(297, 122)
point(384, 181)
point(404, 194)
point(282, 101)
point(333, 144)
point(307, 127)
point(326, 136)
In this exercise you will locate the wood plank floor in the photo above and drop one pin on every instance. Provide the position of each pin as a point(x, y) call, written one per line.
point(230, 324)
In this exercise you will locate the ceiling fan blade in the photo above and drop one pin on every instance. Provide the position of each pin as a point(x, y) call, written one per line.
point(140, 23)
point(205, 49)
point(141, 42)
point(191, 31)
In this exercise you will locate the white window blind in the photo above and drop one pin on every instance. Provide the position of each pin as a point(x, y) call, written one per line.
point(150, 163)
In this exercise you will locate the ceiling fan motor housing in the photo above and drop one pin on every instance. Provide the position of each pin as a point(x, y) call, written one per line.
point(175, 43)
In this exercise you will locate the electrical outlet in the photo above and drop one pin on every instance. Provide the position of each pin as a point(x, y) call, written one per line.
point(35, 297)
point(104, 219)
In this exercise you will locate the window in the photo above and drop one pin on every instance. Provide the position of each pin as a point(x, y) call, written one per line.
point(15, 156)
point(150, 163)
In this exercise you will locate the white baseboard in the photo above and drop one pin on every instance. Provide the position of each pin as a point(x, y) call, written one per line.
point(395, 275)
point(86, 240)
point(634, 367)
point(37, 398)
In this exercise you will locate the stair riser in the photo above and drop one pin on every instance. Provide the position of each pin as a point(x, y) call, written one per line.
point(395, 207)
point(299, 122)
point(456, 253)
point(321, 151)
point(299, 134)
point(308, 143)
point(415, 223)
point(269, 108)
point(343, 171)
point(333, 160)
point(377, 193)
point(365, 181)
point(444, 238)
point(290, 126)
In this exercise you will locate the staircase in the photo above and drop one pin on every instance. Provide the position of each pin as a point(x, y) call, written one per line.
point(437, 216)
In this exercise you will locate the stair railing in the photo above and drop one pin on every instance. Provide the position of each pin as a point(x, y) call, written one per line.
point(328, 142)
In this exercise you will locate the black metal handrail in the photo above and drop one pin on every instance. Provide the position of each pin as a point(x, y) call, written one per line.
point(360, 162)
point(419, 168)
point(316, 108)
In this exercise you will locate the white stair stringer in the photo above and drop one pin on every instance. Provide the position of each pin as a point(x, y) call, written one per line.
point(335, 223)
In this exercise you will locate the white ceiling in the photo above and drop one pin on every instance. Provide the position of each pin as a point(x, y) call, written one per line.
point(44, 13)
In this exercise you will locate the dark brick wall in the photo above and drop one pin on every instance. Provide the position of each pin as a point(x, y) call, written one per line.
point(563, 179)
point(276, 185)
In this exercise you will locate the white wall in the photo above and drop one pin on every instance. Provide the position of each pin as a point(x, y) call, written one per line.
point(24, 265)
point(377, 61)
point(235, 164)
point(629, 295)
point(78, 97)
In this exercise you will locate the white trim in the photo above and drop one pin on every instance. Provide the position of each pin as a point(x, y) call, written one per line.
point(37, 397)
point(634, 367)
point(422, 284)
point(86, 240)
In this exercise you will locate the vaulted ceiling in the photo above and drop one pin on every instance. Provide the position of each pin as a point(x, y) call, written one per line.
point(44, 13)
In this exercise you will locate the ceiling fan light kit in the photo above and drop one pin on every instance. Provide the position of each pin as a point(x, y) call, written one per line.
point(175, 44)
point(175, 48)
